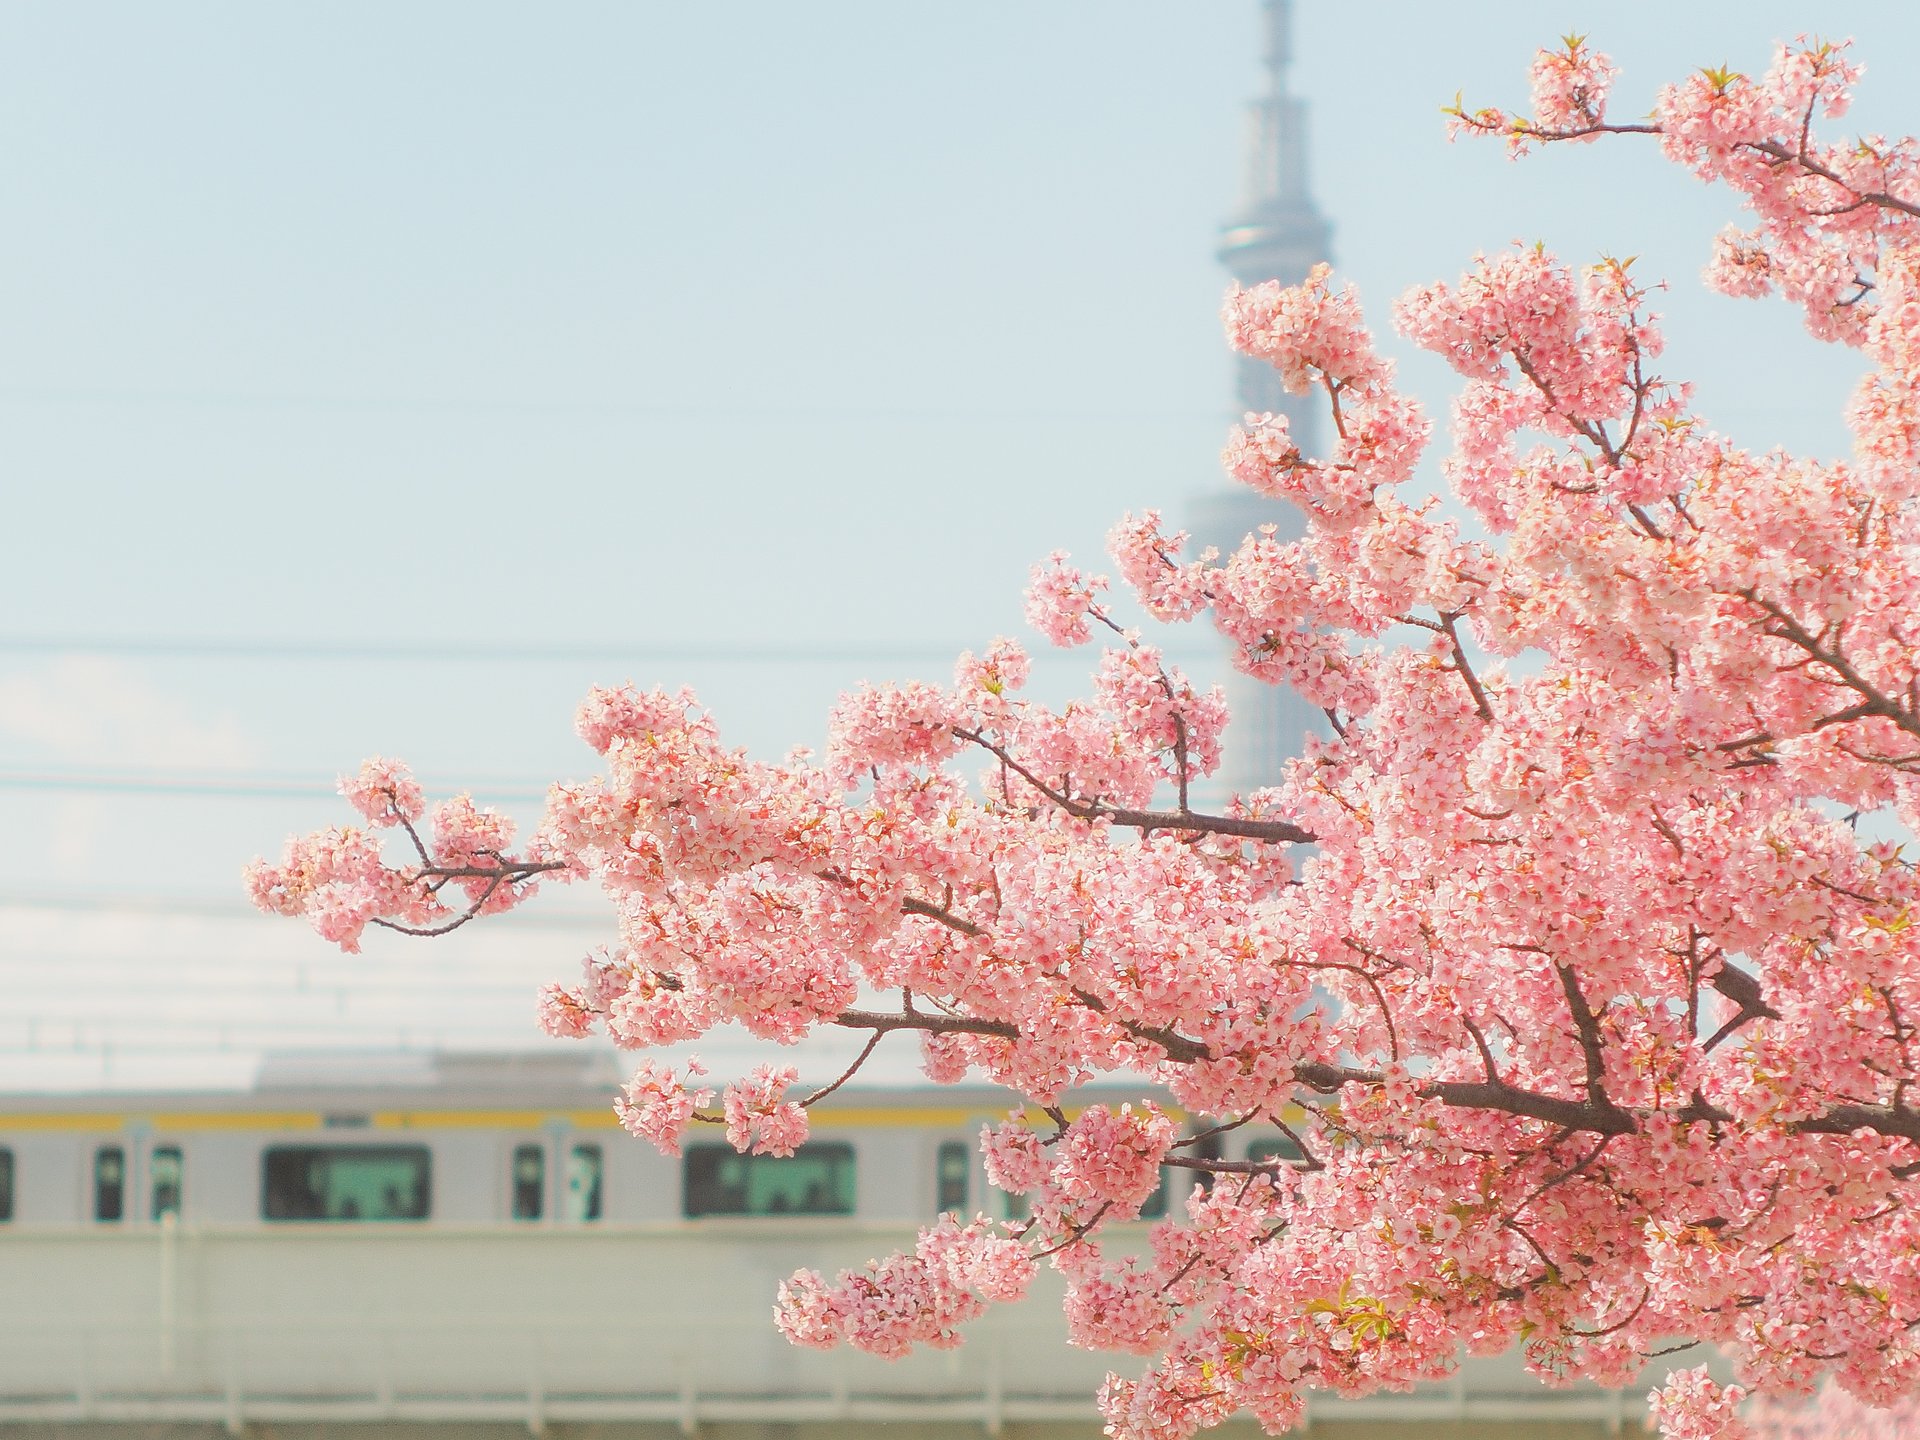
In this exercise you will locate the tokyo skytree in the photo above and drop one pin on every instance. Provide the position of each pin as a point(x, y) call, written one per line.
point(1276, 234)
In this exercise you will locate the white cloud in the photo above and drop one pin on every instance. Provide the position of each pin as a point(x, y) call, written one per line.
point(103, 715)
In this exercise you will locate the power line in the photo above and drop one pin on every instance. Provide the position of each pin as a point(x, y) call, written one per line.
point(416, 652)
point(426, 652)
point(1051, 415)
point(72, 1037)
point(218, 787)
point(212, 908)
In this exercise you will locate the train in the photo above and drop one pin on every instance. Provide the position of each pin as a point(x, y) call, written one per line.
point(478, 1140)
point(388, 1240)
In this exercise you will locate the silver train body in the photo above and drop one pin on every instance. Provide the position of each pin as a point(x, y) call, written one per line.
point(431, 1142)
point(384, 1241)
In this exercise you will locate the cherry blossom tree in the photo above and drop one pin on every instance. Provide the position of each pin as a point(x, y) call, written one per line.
point(1570, 962)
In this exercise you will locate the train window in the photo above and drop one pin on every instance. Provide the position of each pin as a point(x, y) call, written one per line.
point(817, 1179)
point(6, 1185)
point(346, 1182)
point(1206, 1146)
point(1156, 1206)
point(529, 1182)
point(950, 1176)
point(584, 1170)
point(109, 1183)
point(165, 1170)
point(1282, 1148)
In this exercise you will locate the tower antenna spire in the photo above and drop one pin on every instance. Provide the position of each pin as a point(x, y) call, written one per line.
point(1277, 233)
point(1279, 45)
point(1277, 146)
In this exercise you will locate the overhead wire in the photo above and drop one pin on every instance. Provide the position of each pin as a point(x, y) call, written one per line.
point(612, 410)
point(237, 786)
point(457, 653)
point(207, 908)
point(414, 652)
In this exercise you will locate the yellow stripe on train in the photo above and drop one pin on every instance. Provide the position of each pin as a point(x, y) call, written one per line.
point(848, 1117)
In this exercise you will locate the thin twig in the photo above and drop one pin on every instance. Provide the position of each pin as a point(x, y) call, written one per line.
point(846, 1075)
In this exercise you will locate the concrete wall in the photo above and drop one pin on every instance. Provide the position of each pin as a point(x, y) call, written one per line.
point(573, 1329)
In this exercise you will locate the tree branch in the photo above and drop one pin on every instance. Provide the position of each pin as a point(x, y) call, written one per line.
point(1270, 832)
point(946, 917)
point(1873, 701)
point(932, 1024)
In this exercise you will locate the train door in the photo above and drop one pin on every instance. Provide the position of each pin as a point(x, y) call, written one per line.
point(529, 1199)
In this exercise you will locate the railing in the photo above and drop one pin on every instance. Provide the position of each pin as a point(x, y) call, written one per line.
point(665, 1325)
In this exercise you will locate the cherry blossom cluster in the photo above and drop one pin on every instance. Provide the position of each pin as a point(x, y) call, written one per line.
point(760, 1121)
point(1578, 964)
point(1693, 1406)
point(1826, 212)
point(339, 880)
point(954, 1272)
point(657, 1105)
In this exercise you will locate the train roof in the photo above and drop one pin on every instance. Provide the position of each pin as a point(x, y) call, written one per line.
point(576, 1080)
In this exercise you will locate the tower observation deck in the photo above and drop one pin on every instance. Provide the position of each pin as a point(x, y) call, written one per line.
point(1276, 234)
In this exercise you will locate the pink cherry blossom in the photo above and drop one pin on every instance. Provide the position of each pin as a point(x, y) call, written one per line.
point(759, 1121)
point(656, 1104)
point(565, 1014)
point(1692, 1406)
point(1577, 967)
point(1570, 87)
point(1059, 599)
point(385, 792)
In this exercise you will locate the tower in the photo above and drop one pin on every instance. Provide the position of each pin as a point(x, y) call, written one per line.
point(1277, 234)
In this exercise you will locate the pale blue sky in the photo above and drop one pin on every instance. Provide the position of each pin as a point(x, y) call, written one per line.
point(668, 325)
